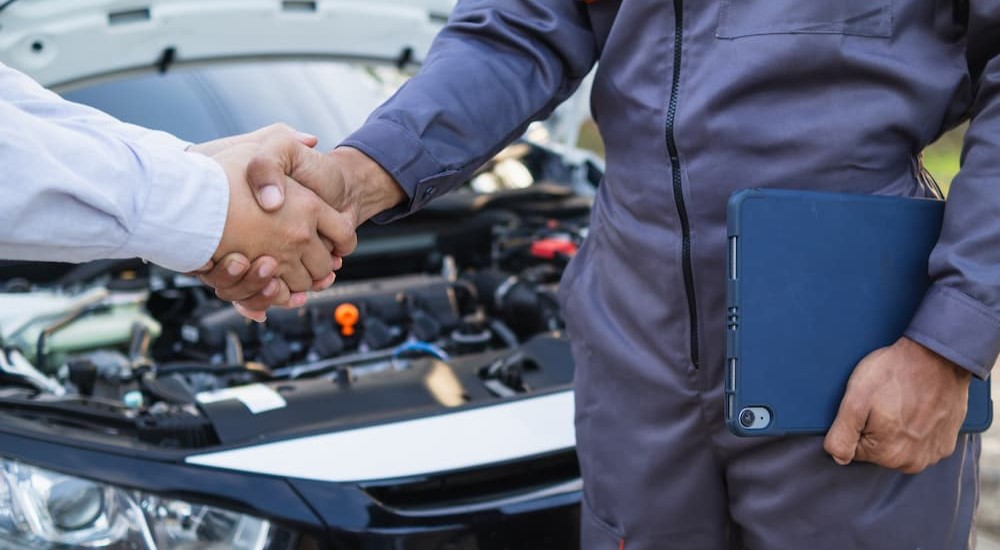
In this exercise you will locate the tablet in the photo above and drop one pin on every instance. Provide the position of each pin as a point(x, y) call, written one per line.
point(817, 281)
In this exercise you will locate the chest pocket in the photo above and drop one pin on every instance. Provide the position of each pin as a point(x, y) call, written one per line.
point(738, 18)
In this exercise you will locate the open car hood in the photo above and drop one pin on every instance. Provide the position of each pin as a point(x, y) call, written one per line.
point(60, 43)
point(64, 44)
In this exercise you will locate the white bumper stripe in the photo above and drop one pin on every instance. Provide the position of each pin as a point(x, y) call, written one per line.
point(413, 447)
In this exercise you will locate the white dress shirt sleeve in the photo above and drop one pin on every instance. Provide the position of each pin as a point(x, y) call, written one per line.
point(77, 184)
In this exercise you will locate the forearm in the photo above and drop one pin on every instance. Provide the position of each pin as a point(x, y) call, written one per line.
point(496, 67)
point(75, 193)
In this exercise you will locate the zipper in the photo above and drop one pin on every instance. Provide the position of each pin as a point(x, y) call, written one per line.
point(675, 166)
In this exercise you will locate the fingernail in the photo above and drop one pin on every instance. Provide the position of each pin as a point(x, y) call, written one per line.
point(298, 300)
point(338, 263)
point(302, 136)
point(266, 270)
point(841, 462)
point(271, 289)
point(234, 268)
point(270, 197)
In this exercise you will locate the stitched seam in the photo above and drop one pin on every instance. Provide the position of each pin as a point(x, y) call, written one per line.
point(964, 299)
point(938, 343)
point(416, 139)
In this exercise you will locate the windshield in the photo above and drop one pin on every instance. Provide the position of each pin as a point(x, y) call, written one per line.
point(325, 98)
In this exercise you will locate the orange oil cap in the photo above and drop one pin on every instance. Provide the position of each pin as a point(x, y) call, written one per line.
point(347, 316)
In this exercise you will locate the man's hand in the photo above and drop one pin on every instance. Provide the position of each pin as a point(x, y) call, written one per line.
point(297, 240)
point(903, 409)
point(346, 179)
point(234, 277)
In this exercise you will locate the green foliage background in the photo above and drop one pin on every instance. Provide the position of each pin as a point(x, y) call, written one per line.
point(942, 158)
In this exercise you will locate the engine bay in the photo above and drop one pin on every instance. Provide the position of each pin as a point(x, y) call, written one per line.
point(452, 307)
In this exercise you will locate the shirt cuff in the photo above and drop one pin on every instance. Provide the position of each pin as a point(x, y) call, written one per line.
point(957, 327)
point(163, 140)
point(184, 213)
point(403, 156)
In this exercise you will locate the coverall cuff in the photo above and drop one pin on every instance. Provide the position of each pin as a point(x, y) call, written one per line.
point(184, 213)
point(400, 152)
point(958, 328)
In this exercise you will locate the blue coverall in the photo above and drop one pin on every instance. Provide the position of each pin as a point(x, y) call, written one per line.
point(696, 99)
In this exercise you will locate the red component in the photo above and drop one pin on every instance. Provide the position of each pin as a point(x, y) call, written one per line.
point(547, 249)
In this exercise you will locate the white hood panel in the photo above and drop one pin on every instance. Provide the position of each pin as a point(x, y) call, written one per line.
point(441, 443)
point(63, 41)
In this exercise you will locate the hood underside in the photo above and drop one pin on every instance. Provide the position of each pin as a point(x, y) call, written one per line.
point(62, 43)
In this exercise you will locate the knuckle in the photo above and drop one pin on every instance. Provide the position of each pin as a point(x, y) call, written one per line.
point(300, 235)
point(279, 128)
point(902, 454)
point(896, 457)
point(946, 449)
point(352, 243)
point(313, 205)
point(261, 164)
point(834, 447)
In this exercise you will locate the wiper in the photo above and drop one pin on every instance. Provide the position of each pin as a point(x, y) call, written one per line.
point(175, 427)
point(75, 410)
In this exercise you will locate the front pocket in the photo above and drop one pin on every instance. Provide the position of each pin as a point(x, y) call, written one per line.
point(739, 18)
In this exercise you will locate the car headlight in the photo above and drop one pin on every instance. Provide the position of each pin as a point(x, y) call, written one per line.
point(41, 509)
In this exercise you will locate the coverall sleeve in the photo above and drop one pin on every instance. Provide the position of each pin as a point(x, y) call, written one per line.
point(496, 66)
point(959, 317)
point(78, 185)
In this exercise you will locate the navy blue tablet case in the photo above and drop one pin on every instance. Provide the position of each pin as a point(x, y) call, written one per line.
point(817, 281)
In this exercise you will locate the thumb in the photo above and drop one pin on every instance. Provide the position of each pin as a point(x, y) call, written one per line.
point(842, 440)
point(287, 156)
point(281, 149)
point(308, 140)
point(267, 171)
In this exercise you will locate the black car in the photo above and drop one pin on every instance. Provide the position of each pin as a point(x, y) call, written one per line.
point(424, 401)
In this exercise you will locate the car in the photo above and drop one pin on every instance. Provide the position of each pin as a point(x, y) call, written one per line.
point(423, 402)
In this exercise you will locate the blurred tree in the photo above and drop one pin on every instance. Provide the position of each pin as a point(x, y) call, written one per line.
point(943, 157)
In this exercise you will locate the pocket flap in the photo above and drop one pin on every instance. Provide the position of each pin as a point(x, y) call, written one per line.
point(852, 17)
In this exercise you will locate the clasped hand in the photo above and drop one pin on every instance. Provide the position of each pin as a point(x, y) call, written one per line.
point(292, 217)
point(903, 409)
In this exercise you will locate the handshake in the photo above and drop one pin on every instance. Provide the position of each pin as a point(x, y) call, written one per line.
point(293, 216)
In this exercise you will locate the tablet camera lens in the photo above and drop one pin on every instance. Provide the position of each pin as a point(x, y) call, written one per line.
point(747, 418)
